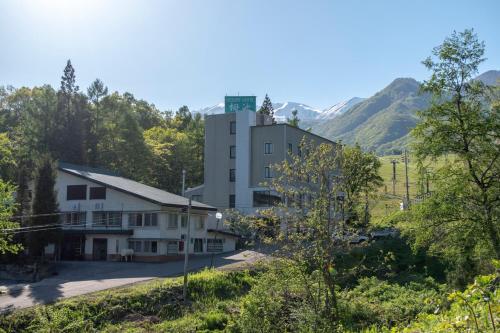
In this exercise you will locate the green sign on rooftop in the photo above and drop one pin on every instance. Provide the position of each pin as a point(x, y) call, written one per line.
point(240, 103)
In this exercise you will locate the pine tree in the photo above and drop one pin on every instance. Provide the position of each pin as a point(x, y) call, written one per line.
point(44, 202)
point(73, 120)
point(267, 107)
point(68, 80)
point(95, 93)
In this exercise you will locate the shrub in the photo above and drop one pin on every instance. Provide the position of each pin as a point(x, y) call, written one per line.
point(380, 303)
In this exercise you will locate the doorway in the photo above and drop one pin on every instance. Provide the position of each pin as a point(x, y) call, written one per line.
point(198, 245)
point(100, 249)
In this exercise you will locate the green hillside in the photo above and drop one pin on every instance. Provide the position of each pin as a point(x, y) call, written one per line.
point(382, 122)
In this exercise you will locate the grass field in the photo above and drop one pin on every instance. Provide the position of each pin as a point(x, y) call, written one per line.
point(386, 202)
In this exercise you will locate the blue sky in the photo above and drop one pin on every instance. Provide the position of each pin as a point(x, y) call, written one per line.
point(180, 52)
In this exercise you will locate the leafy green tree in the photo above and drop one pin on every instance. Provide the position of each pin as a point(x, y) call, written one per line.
point(44, 206)
point(267, 107)
point(121, 145)
point(182, 118)
point(7, 161)
point(359, 178)
point(304, 225)
point(294, 121)
point(462, 219)
point(7, 210)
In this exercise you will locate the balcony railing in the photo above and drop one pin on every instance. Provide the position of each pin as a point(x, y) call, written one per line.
point(100, 221)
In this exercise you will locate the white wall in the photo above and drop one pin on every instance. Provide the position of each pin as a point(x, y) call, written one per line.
point(244, 120)
point(119, 201)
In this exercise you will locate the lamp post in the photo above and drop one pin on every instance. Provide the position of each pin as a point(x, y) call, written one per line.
point(218, 216)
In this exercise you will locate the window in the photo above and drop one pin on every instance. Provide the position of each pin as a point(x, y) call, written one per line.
point(232, 175)
point(99, 218)
point(232, 152)
point(135, 220)
point(184, 221)
point(290, 148)
point(197, 197)
point(113, 219)
point(214, 245)
point(265, 199)
point(172, 221)
point(76, 192)
point(232, 127)
point(150, 246)
point(267, 172)
point(268, 148)
point(199, 222)
point(198, 245)
point(232, 201)
point(135, 245)
point(97, 193)
point(74, 218)
point(150, 219)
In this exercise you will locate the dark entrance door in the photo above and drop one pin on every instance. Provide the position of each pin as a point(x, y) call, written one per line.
point(100, 249)
point(73, 247)
point(198, 245)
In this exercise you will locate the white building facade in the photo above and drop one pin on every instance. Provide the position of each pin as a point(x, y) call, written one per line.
point(103, 214)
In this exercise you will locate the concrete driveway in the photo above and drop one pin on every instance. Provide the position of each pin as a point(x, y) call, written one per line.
point(78, 278)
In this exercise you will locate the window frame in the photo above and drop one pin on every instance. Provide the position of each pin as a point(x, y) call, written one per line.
point(232, 201)
point(150, 220)
point(74, 187)
point(170, 220)
point(135, 217)
point(267, 172)
point(232, 175)
point(184, 221)
point(268, 148)
point(232, 127)
point(92, 193)
point(232, 152)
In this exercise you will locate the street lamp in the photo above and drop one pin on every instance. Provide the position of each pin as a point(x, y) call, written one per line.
point(218, 216)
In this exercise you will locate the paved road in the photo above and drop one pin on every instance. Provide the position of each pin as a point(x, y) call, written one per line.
point(77, 278)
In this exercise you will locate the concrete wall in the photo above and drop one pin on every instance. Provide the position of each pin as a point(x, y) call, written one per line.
point(280, 135)
point(218, 139)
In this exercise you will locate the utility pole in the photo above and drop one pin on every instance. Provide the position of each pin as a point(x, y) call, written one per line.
point(394, 176)
point(183, 181)
point(407, 183)
point(186, 252)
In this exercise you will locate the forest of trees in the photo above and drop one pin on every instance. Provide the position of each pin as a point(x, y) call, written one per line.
point(98, 128)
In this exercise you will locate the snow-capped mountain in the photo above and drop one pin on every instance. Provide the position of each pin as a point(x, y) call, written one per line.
point(282, 111)
point(340, 108)
point(216, 109)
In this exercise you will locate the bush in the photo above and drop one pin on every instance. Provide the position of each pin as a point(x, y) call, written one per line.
point(380, 303)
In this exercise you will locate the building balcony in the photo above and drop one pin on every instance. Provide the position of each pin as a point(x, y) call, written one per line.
point(102, 222)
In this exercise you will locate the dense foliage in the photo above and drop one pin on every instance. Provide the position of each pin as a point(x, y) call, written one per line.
point(7, 209)
point(460, 220)
point(111, 130)
point(272, 299)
